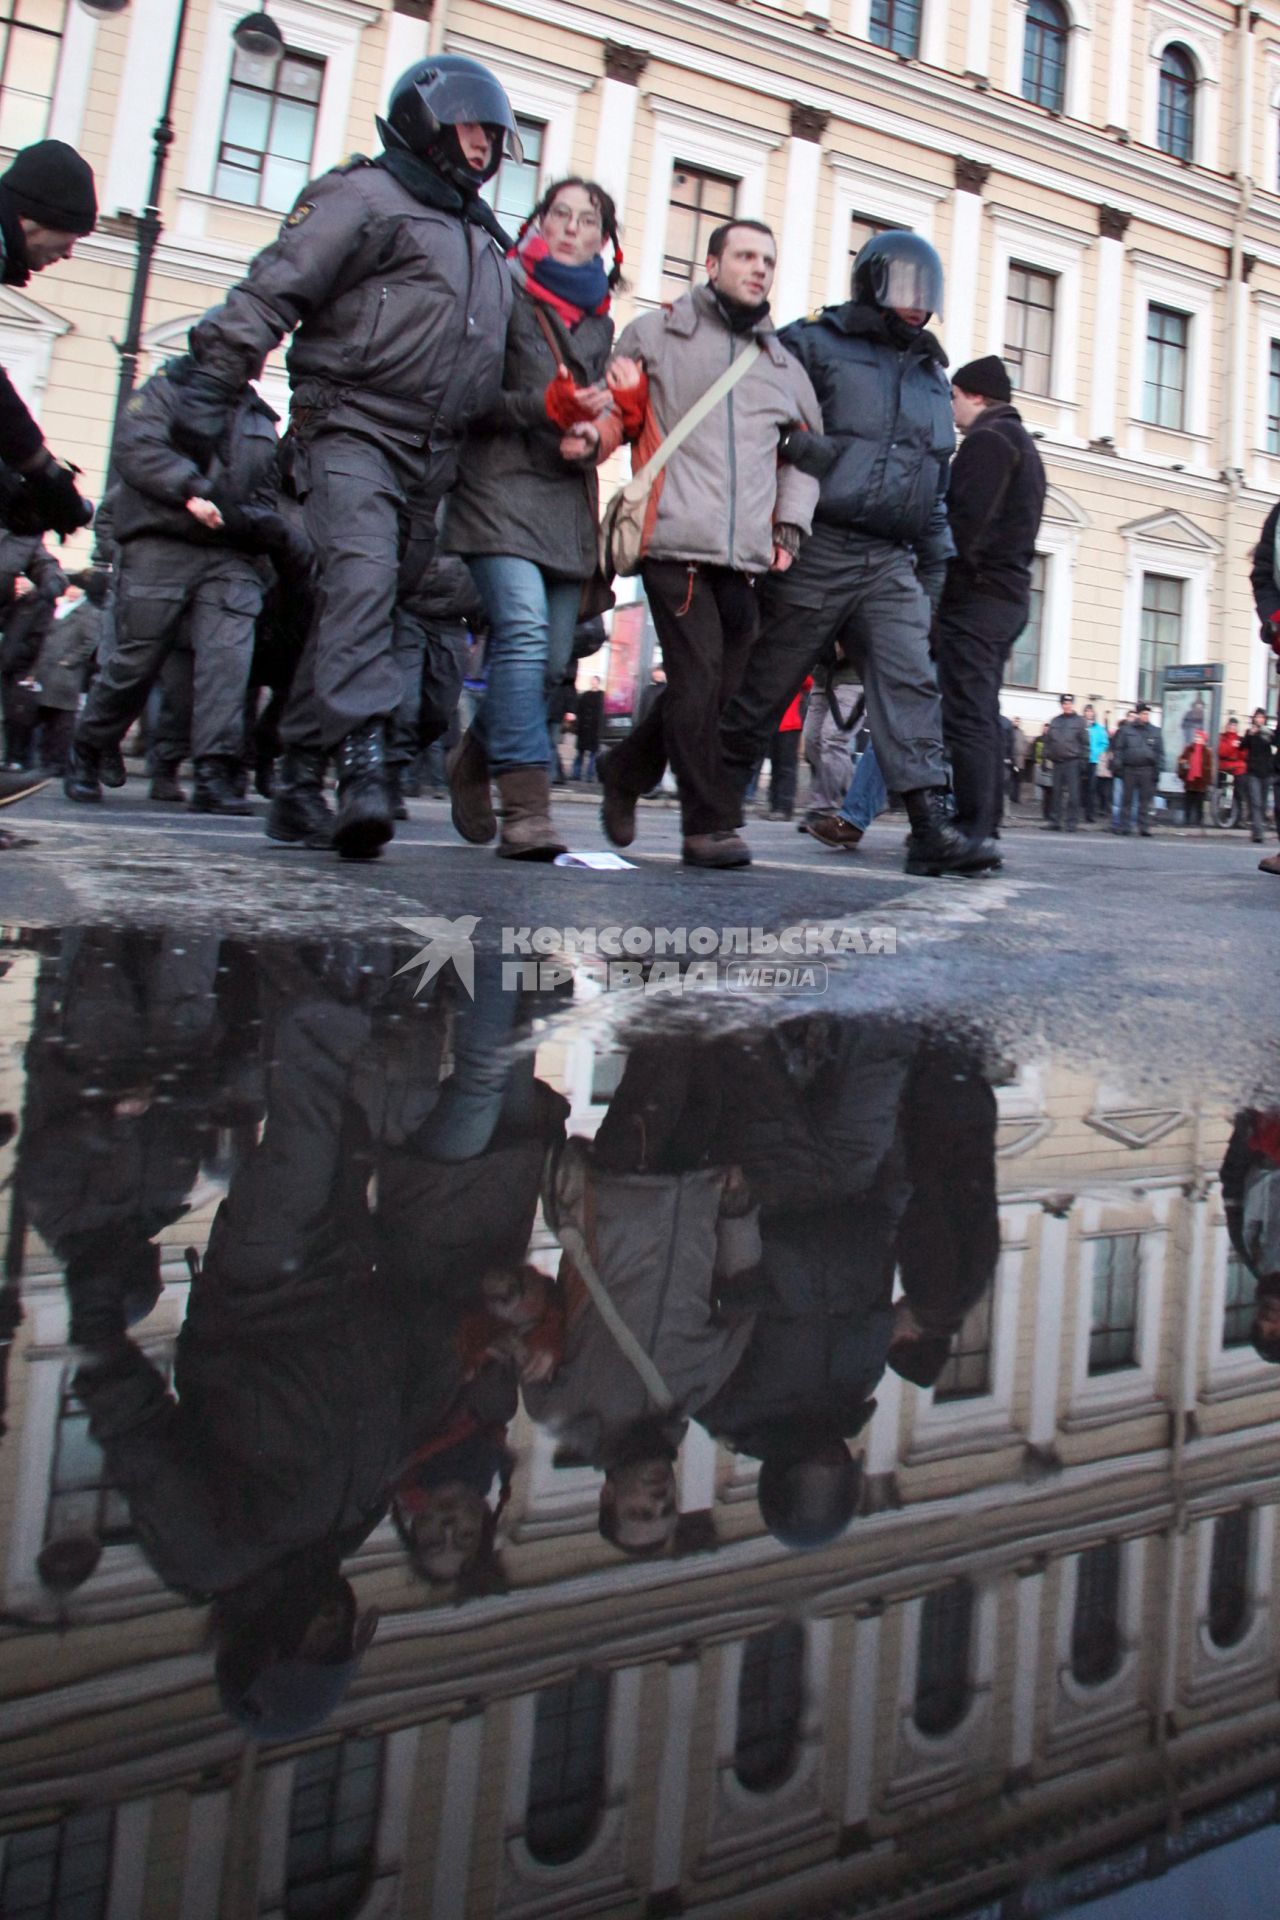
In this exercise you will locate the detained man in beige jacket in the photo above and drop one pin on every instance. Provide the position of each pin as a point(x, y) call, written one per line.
point(721, 513)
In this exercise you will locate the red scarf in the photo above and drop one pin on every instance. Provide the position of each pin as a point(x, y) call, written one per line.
point(530, 252)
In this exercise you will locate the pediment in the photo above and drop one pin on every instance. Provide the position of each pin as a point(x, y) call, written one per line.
point(1062, 509)
point(1172, 529)
point(28, 316)
point(1138, 1127)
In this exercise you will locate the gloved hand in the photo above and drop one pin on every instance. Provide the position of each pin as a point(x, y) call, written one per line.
point(53, 497)
point(812, 453)
point(96, 1297)
point(52, 586)
point(262, 530)
point(203, 413)
point(1271, 632)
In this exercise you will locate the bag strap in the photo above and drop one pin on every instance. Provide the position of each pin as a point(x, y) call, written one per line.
point(557, 353)
point(718, 390)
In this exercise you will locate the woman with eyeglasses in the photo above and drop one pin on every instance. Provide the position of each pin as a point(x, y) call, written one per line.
point(525, 509)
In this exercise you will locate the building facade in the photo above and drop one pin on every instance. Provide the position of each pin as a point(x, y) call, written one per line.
point(1103, 185)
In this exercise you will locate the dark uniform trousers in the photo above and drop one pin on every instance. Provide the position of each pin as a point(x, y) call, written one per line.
point(1065, 809)
point(972, 639)
point(707, 622)
point(370, 507)
point(866, 593)
point(166, 587)
point(1142, 782)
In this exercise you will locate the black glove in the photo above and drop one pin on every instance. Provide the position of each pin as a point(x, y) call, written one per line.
point(54, 498)
point(263, 530)
point(97, 1304)
point(52, 587)
point(17, 512)
point(812, 453)
point(203, 413)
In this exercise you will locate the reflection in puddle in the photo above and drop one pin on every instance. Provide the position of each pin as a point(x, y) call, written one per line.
point(451, 1462)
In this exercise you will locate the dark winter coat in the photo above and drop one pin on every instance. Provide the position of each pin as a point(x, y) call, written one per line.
point(155, 478)
point(69, 649)
point(1068, 739)
point(515, 494)
point(1262, 576)
point(590, 718)
point(26, 553)
point(400, 309)
point(1259, 753)
point(20, 437)
point(995, 498)
point(1137, 745)
point(26, 627)
point(889, 411)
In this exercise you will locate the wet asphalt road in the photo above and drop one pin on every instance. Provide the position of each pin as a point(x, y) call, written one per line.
point(1158, 954)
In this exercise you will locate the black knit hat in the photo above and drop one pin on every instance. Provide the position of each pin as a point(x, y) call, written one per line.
point(988, 378)
point(53, 186)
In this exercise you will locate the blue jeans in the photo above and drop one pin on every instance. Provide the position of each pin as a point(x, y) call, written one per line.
point(867, 795)
point(532, 616)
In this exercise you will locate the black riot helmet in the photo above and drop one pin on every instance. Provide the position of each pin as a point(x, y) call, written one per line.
point(436, 95)
point(899, 270)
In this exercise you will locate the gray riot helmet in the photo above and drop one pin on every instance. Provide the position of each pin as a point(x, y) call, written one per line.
point(436, 95)
point(899, 271)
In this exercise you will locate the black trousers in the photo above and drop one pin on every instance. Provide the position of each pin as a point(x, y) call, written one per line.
point(784, 771)
point(971, 644)
point(1066, 792)
point(1140, 781)
point(706, 620)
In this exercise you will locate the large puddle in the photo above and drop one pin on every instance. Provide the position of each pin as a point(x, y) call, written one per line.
point(466, 1456)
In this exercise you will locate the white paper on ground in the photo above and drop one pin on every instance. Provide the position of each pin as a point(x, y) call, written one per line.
point(609, 862)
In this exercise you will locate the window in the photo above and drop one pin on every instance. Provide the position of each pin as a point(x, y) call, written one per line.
point(59, 1873)
point(269, 129)
point(1165, 390)
point(1160, 642)
point(1273, 401)
point(513, 190)
point(1229, 1577)
point(1238, 1309)
point(864, 227)
point(700, 202)
point(895, 24)
point(566, 1773)
point(770, 1706)
point(942, 1666)
point(1113, 1328)
point(1044, 55)
point(1095, 1629)
point(1028, 328)
point(1176, 120)
point(32, 43)
point(1022, 668)
point(967, 1373)
point(333, 1821)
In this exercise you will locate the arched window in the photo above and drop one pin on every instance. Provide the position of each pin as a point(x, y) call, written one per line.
point(1229, 1577)
point(1095, 1630)
point(1176, 123)
point(1044, 55)
point(566, 1773)
point(942, 1667)
point(333, 1821)
point(895, 24)
point(770, 1706)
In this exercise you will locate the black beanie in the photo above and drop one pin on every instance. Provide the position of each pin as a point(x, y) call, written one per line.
point(987, 378)
point(50, 184)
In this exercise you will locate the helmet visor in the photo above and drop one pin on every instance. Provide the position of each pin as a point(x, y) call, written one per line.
point(909, 284)
point(476, 99)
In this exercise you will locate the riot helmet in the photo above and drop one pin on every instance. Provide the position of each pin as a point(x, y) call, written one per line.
point(436, 95)
point(899, 271)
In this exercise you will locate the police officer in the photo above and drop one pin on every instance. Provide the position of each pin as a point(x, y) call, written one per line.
point(47, 203)
point(188, 534)
point(874, 565)
point(389, 271)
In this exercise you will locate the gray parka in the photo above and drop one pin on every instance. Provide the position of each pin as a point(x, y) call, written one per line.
point(400, 310)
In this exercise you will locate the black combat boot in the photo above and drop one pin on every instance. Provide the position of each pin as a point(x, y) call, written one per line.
point(395, 787)
point(365, 819)
point(935, 845)
point(165, 787)
point(82, 779)
point(111, 767)
point(215, 788)
point(298, 815)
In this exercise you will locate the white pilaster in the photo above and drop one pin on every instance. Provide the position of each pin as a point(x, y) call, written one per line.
point(129, 1860)
point(886, 1422)
point(1237, 429)
point(934, 31)
point(697, 1470)
point(962, 280)
point(208, 1819)
point(1026, 1665)
point(1102, 409)
point(406, 43)
point(142, 87)
point(795, 241)
point(864, 1677)
point(613, 142)
point(673, 1777)
point(1050, 1298)
point(75, 69)
point(450, 1887)
point(977, 46)
point(1120, 67)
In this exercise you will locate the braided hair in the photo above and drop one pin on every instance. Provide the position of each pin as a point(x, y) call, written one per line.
point(603, 203)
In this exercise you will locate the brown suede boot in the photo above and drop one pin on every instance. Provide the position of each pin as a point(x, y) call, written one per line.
point(471, 802)
point(527, 832)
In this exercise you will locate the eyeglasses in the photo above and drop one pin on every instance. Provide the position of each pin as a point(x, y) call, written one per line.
point(563, 216)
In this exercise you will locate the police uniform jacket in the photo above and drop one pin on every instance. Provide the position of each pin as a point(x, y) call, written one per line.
point(156, 478)
point(400, 310)
point(68, 649)
point(888, 410)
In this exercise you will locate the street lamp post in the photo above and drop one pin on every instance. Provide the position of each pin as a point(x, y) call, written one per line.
point(256, 33)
